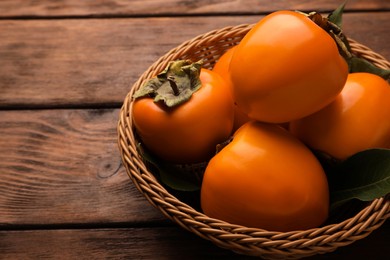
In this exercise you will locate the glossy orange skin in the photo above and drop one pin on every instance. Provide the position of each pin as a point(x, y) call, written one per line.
point(358, 119)
point(286, 68)
point(189, 132)
point(222, 68)
point(266, 178)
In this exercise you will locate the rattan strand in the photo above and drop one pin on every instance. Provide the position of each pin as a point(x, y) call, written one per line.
point(243, 240)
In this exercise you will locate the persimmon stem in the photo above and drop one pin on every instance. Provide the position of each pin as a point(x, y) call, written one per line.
point(319, 20)
point(173, 85)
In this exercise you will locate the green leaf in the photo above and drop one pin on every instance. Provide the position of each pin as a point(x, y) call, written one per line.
point(364, 176)
point(336, 16)
point(357, 64)
point(172, 175)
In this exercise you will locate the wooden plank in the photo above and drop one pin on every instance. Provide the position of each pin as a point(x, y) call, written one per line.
point(72, 8)
point(62, 62)
point(94, 62)
point(63, 167)
point(152, 243)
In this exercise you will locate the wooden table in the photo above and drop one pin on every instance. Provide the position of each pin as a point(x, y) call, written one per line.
point(65, 69)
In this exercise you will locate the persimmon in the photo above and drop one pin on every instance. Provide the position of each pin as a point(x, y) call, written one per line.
point(358, 119)
point(184, 113)
point(266, 178)
point(285, 68)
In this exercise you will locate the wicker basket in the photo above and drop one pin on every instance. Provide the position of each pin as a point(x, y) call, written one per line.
point(240, 239)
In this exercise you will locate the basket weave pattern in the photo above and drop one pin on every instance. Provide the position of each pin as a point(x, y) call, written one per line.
point(240, 239)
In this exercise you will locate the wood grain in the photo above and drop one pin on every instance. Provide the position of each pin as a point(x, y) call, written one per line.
point(91, 8)
point(151, 243)
point(65, 68)
point(94, 62)
point(63, 167)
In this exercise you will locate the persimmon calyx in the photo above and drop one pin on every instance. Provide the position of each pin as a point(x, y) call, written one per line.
point(174, 85)
point(332, 25)
point(335, 31)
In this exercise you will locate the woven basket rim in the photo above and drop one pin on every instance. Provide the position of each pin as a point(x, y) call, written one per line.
point(241, 239)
